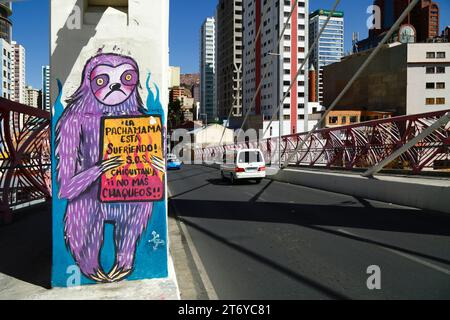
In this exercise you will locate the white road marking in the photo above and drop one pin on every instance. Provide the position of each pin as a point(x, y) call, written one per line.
point(420, 261)
point(210, 291)
point(405, 255)
point(347, 232)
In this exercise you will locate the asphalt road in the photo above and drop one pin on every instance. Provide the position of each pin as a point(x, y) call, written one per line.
point(280, 241)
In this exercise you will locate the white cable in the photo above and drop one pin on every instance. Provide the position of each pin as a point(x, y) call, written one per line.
point(301, 67)
point(353, 79)
point(258, 33)
point(266, 69)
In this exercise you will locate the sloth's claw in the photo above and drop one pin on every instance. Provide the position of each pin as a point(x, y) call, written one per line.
point(121, 276)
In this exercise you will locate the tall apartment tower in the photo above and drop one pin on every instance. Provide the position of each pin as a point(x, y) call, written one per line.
point(330, 47)
point(229, 57)
point(46, 88)
point(426, 19)
point(208, 69)
point(5, 69)
point(272, 66)
point(18, 73)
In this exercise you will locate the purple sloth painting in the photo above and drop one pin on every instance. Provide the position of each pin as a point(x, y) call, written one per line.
point(109, 87)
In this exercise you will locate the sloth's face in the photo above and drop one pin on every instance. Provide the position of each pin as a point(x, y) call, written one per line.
point(113, 85)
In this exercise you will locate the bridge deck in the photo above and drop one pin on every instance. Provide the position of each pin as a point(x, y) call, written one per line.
point(282, 241)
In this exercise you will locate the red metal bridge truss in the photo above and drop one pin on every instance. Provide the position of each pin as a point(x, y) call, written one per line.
point(361, 145)
point(25, 157)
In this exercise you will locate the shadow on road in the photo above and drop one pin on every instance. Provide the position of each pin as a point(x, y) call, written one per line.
point(314, 217)
point(26, 246)
point(322, 217)
point(193, 173)
point(226, 182)
point(332, 294)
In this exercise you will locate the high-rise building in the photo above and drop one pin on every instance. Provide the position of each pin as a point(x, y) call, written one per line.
point(422, 23)
point(32, 97)
point(330, 47)
point(5, 23)
point(229, 57)
point(5, 69)
point(46, 88)
point(272, 67)
point(207, 68)
point(18, 72)
point(425, 18)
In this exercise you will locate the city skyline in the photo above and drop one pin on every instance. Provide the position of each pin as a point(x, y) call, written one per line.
point(186, 19)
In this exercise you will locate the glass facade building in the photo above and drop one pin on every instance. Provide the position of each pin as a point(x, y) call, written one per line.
point(208, 69)
point(330, 47)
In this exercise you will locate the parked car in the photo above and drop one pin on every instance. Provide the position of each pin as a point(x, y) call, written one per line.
point(173, 163)
point(246, 164)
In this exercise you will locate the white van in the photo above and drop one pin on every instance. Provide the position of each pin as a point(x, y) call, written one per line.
point(246, 164)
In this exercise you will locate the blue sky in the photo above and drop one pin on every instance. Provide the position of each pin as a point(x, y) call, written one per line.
point(31, 29)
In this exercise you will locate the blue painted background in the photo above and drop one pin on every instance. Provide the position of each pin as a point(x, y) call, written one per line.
point(149, 263)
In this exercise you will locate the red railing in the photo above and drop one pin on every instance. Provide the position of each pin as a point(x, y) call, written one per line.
point(361, 145)
point(25, 158)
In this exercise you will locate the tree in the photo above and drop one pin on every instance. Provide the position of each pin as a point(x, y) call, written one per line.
point(176, 116)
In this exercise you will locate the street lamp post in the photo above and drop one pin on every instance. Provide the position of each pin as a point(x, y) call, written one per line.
point(206, 126)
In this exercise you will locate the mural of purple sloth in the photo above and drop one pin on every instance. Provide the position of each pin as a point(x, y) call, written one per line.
point(109, 87)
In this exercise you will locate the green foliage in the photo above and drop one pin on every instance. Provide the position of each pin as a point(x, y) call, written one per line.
point(176, 116)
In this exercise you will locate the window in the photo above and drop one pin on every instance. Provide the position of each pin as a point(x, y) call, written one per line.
point(430, 70)
point(353, 119)
point(440, 100)
point(431, 55)
point(440, 69)
point(429, 101)
point(249, 157)
point(430, 85)
point(333, 120)
point(440, 85)
point(441, 55)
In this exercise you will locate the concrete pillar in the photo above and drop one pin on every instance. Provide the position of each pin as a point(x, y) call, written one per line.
point(109, 118)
